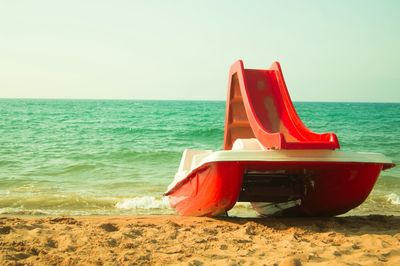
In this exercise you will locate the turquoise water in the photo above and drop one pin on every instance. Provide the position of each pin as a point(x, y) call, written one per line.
point(84, 157)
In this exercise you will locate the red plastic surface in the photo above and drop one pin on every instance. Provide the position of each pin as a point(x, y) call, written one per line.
point(331, 188)
point(259, 106)
point(208, 191)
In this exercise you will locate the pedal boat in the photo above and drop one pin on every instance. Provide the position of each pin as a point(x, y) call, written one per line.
point(271, 159)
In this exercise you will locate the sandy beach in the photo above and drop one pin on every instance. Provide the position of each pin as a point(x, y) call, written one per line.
point(163, 240)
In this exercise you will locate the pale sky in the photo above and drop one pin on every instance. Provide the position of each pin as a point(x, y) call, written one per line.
point(328, 50)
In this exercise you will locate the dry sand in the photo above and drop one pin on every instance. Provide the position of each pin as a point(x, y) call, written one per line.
point(163, 240)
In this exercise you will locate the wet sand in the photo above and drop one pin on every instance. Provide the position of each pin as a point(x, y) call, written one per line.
point(166, 240)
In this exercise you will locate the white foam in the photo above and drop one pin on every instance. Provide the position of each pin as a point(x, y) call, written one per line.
point(393, 198)
point(145, 203)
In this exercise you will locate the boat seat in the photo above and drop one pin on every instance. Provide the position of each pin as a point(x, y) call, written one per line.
point(251, 144)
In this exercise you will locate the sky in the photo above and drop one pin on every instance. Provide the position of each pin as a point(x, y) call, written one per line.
point(182, 50)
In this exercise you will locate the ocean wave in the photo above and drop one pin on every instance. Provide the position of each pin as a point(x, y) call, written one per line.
point(197, 132)
point(81, 167)
point(145, 155)
point(393, 198)
point(84, 205)
point(145, 202)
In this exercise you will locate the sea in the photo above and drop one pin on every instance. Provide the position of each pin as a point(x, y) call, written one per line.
point(117, 157)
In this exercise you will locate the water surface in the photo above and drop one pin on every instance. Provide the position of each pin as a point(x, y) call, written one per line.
point(105, 157)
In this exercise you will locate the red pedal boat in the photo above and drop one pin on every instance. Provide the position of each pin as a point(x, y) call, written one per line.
point(271, 159)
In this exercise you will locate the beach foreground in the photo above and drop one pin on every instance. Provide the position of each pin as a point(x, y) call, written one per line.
point(160, 240)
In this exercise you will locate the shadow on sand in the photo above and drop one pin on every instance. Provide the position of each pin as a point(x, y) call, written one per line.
point(348, 225)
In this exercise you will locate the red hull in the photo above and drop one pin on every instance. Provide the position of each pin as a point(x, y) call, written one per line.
point(326, 188)
point(210, 191)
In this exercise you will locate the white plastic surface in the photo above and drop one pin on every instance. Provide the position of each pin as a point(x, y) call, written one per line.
point(252, 150)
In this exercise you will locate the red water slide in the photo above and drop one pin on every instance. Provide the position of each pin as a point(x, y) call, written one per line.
point(259, 106)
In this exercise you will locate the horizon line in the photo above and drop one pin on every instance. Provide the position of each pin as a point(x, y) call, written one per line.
point(177, 100)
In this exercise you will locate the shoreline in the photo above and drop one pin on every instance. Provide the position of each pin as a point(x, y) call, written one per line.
point(170, 239)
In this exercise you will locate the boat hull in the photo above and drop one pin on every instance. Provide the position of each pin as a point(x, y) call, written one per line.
point(211, 190)
point(322, 188)
point(326, 188)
